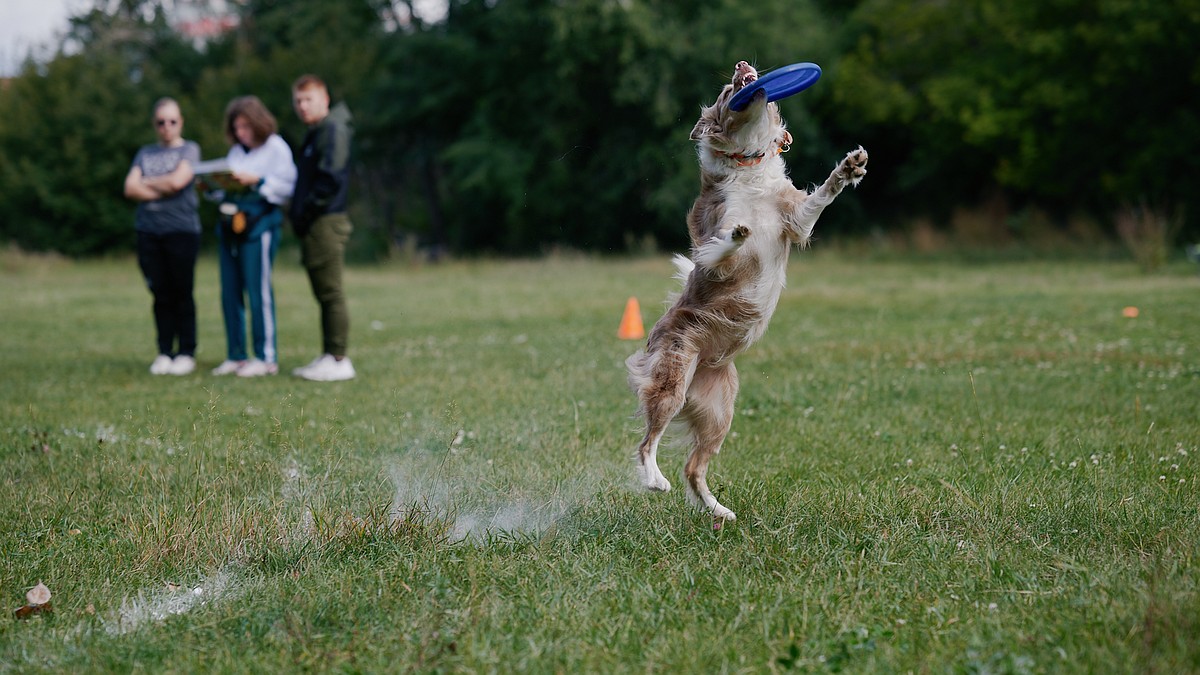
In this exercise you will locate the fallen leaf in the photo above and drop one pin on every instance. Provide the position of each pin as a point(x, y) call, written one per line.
point(75, 531)
point(90, 609)
point(173, 587)
point(29, 610)
point(38, 595)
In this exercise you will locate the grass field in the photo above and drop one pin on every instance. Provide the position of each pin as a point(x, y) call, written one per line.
point(937, 467)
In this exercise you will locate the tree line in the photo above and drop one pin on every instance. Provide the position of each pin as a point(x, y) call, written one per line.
point(518, 126)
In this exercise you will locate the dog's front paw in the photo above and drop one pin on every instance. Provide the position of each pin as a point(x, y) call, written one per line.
point(720, 246)
point(854, 166)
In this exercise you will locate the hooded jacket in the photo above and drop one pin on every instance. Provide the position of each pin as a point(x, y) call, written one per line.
point(323, 169)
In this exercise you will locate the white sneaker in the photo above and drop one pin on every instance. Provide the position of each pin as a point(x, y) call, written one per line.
point(329, 369)
point(161, 365)
point(183, 365)
point(299, 372)
point(257, 368)
point(228, 367)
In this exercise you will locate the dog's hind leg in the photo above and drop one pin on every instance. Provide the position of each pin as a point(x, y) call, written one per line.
point(709, 413)
point(662, 392)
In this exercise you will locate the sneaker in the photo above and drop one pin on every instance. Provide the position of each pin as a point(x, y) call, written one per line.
point(161, 365)
point(182, 365)
point(299, 372)
point(257, 368)
point(228, 367)
point(329, 369)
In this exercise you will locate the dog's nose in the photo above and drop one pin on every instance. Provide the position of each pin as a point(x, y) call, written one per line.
point(743, 74)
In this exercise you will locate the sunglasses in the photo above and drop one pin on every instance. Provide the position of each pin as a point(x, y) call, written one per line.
point(163, 123)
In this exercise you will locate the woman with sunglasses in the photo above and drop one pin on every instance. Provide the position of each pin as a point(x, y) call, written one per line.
point(168, 235)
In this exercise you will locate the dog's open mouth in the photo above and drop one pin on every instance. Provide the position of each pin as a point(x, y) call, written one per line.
point(743, 74)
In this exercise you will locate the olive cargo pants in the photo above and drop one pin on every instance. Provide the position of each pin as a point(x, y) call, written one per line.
point(323, 254)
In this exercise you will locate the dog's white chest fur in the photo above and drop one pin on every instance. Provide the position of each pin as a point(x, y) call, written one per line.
point(750, 201)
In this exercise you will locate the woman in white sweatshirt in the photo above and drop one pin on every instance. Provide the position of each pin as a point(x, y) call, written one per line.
point(251, 220)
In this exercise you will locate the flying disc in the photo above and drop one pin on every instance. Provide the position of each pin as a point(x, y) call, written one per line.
point(779, 83)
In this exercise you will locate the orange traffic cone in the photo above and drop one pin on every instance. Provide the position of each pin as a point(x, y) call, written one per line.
point(631, 324)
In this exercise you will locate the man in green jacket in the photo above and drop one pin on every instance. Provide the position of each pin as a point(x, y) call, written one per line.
point(319, 217)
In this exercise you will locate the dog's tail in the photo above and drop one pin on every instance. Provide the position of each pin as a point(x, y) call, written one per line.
point(683, 270)
point(638, 365)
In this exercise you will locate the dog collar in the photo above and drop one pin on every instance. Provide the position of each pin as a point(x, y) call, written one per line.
point(755, 159)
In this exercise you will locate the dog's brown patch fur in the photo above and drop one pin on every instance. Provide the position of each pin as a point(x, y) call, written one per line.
point(742, 226)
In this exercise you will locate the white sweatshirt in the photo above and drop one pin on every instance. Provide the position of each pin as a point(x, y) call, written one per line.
point(272, 161)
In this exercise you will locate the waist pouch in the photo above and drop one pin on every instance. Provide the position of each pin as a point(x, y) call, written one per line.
point(238, 218)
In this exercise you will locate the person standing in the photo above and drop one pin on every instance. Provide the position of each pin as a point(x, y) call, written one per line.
point(248, 234)
point(168, 235)
point(318, 214)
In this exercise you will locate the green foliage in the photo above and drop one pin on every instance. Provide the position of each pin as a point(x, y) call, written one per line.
point(62, 165)
point(1076, 105)
point(276, 43)
point(528, 125)
point(566, 123)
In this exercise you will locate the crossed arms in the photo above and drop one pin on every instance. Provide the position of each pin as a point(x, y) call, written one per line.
point(144, 189)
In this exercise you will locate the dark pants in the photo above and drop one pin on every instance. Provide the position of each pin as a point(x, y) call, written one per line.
point(168, 262)
point(323, 254)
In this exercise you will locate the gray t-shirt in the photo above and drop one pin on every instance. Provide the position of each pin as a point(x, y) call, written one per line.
point(176, 213)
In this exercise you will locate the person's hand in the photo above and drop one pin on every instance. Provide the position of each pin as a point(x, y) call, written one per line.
point(247, 179)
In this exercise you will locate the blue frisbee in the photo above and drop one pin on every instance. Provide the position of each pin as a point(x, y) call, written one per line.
point(779, 83)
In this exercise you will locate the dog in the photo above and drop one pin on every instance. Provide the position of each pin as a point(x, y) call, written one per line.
point(742, 228)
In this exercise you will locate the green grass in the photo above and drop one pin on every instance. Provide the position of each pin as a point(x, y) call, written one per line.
point(936, 467)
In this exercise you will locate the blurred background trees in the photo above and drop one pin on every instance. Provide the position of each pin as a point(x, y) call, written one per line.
point(521, 126)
